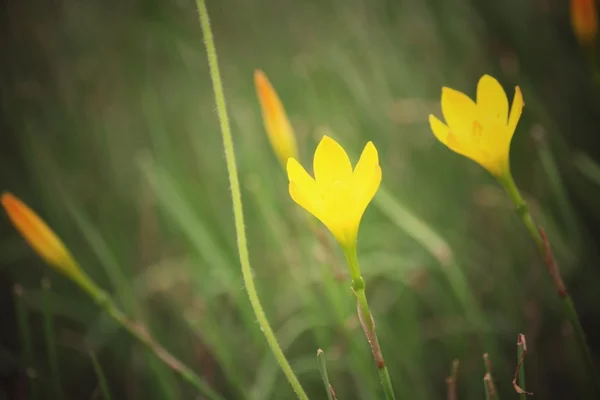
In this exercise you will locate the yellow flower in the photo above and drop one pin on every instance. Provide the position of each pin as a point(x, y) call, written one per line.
point(277, 124)
point(338, 196)
point(584, 20)
point(482, 130)
point(39, 236)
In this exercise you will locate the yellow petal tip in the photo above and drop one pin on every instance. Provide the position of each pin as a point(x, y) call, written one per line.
point(326, 139)
point(518, 92)
point(289, 163)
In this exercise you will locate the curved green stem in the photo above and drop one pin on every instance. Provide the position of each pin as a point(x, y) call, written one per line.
point(237, 201)
point(539, 237)
point(142, 335)
point(367, 322)
point(102, 383)
point(522, 209)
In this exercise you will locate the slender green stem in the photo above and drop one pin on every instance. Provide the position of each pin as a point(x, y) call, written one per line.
point(522, 210)
point(51, 342)
point(521, 365)
point(582, 341)
point(490, 390)
point(25, 333)
point(139, 332)
point(489, 376)
point(451, 381)
point(102, 383)
point(367, 321)
point(324, 376)
point(539, 237)
point(237, 201)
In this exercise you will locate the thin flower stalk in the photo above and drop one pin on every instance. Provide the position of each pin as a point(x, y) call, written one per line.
point(338, 196)
point(236, 195)
point(482, 130)
point(50, 247)
point(368, 323)
point(519, 376)
point(543, 245)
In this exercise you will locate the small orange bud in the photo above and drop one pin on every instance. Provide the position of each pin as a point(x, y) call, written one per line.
point(584, 20)
point(278, 127)
point(39, 236)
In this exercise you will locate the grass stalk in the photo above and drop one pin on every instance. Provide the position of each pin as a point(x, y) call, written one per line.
point(324, 375)
point(539, 237)
point(522, 383)
point(237, 201)
point(490, 389)
point(26, 343)
point(520, 369)
point(51, 341)
point(489, 377)
point(367, 322)
point(102, 383)
point(140, 333)
point(452, 380)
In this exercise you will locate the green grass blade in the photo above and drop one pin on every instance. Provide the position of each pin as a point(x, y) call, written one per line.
point(26, 341)
point(322, 362)
point(51, 343)
point(102, 382)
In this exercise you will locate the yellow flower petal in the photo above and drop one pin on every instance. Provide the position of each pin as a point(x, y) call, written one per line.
point(39, 235)
point(278, 127)
point(492, 102)
point(515, 111)
point(331, 163)
point(494, 148)
point(459, 112)
point(481, 131)
point(338, 196)
point(340, 214)
point(366, 178)
point(303, 188)
point(443, 134)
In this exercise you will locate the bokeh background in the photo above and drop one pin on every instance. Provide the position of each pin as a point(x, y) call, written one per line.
point(108, 129)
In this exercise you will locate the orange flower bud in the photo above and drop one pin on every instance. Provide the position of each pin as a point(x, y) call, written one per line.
point(584, 20)
point(278, 127)
point(39, 236)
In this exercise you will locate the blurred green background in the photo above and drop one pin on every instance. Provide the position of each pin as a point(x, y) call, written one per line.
point(108, 129)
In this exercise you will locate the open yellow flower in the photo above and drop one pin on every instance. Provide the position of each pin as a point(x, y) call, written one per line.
point(338, 195)
point(39, 236)
point(482, 130)
point(277, 124)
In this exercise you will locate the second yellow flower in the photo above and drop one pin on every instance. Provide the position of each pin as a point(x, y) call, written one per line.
point(338, 195)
